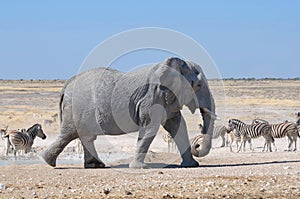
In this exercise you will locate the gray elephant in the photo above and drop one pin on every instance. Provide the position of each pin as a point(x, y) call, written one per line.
point(106, 101)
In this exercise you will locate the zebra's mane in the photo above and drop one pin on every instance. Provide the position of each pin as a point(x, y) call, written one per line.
point(261, 120)
point(237, 120)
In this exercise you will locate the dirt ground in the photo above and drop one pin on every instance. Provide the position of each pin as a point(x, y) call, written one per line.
point(222, 174)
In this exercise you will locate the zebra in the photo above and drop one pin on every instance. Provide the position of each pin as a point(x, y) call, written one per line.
point(2, 134)
point(298, 120)
point(251, 131)
point(283, 129)
point(219, 131)
point(233, 136)
point(24, 140)
point(168, 139)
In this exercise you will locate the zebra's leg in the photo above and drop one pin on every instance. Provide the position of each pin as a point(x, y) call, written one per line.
point(265, 144)
point(275, 148)
point(223, 140)
point(15, 153)
point(244, 146)
point(251, 145)
point(230, 146)
point(290, 142)
point(240, 147)
point(295, 141)
point(7, 146)
point(237, 145)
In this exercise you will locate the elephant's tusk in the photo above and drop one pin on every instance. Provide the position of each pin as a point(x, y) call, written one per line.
point(210, 113)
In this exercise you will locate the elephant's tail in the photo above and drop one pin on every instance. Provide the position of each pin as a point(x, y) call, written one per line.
point(60, 105)
point(62, 94)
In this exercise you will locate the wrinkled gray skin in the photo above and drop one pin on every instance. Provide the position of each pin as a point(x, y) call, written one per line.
point(106, 101)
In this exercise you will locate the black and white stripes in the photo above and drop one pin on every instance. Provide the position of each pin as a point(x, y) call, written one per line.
point(24, 140)
point(251, 131)
point(219, 131)
point(281, 130)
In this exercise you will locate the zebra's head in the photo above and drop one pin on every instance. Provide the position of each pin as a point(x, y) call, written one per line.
point(232, 124)
point(3, 131)
point(39, 131)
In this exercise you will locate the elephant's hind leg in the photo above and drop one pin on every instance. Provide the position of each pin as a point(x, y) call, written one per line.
point(51, 153)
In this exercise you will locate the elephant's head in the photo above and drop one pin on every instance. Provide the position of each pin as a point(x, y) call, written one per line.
point(184, 83)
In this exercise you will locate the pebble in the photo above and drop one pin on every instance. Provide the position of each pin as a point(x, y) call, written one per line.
point(128, 192)
point(106, 190)
point(287, 167)
point(262, 190)
point(168, 196)
point(210, 183)
point(3, 187)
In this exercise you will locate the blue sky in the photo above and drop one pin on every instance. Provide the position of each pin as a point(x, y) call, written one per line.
point(50, 39)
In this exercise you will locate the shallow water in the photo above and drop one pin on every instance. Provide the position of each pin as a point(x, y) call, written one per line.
point(72, 159)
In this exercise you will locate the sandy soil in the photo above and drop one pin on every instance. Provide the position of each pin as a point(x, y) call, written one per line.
point(222, 174)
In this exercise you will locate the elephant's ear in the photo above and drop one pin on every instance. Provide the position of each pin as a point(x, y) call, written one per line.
point(169, 76)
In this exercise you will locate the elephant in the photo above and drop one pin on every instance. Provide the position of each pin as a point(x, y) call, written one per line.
point(104, 101)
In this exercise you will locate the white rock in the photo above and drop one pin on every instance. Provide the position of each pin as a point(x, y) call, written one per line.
point(287, 167)
point(210, 183)
point(206, 190)
point(3, 187)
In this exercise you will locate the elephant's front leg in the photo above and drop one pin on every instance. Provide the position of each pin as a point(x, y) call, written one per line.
point(91, 159)
point(146, 136)
point(176, 126)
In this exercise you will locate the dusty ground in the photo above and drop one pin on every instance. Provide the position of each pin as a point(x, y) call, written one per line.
point(222, 174)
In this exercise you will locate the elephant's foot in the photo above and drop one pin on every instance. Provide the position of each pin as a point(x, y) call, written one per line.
point(93, 164)
point(49, 157)
point(137, 165)
point(191, 163)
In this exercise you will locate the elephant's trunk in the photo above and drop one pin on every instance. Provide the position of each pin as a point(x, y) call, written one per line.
point(203, 145)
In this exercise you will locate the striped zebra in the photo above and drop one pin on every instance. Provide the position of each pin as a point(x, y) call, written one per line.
point(246, 131)
point(24, 140)
point(298, 121)
point(168, 139)
point(2, 133)
point(232, 137)
point(219, 131)
point(282, 130)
